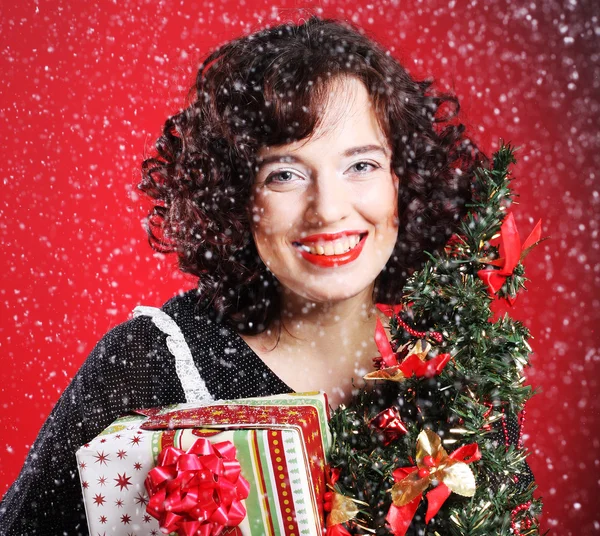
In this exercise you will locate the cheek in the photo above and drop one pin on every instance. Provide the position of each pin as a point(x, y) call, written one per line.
point(270, 221)
point(380, 204)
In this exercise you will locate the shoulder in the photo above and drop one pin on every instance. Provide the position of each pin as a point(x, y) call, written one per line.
point(135, 332)
point(143, 336)
point(149, 327)
point(143, 329)
point(195, 315)
point(130, 347)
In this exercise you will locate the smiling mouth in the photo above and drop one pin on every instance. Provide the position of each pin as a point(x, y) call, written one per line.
point(331, 250)
point(338, 246)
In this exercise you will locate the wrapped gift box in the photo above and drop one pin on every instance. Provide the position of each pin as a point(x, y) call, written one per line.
point(281, 443)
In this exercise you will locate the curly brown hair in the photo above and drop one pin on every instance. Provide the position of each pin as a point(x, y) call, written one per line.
point(268, 89)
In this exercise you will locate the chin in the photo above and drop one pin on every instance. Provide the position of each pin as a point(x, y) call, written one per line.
point(321, 284)
point(324, 292)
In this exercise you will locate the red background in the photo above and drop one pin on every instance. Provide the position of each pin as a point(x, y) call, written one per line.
point(85, 90)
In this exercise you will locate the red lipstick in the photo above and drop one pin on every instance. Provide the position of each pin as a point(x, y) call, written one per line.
point(330, 261)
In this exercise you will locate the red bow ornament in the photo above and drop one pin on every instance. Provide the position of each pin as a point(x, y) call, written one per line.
point(433, 463)
point(513, 254)
point(197, 492)
point(389, 424)
point(415, 363)
point(340, 509)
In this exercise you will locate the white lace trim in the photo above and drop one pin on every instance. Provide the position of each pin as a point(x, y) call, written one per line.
point(192, 383)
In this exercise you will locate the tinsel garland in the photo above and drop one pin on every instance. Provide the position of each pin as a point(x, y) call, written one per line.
point(424, 449)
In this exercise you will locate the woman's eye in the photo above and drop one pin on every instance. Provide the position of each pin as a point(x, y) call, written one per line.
point(363, 170)
point(281, 176)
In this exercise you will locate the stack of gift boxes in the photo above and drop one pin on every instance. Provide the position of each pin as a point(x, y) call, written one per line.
point(281, 443)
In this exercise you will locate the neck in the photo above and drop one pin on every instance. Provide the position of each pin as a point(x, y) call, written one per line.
point(300, 316)
point(321, 346)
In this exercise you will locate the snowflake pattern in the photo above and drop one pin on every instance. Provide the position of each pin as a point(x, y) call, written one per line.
point(136, 440)
point(102, 458)
point(123, 481)
point(141, 499)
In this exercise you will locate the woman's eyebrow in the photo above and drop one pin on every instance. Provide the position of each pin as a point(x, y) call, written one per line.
point(372, 148)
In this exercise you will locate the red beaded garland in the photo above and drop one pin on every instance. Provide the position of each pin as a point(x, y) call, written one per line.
point(521, 425)
point(524, 524)
point(435, 335)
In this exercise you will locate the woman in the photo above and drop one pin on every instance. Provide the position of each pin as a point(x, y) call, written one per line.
point(302, 185)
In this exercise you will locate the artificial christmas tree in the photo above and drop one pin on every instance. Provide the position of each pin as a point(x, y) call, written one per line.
point(435, 447)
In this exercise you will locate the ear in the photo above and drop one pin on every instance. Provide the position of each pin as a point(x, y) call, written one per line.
point(396, 180)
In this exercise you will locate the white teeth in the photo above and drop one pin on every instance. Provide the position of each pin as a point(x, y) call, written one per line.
point(340, 247)
point(332, 247)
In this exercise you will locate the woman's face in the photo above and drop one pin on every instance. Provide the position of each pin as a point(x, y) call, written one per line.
point(324, 210)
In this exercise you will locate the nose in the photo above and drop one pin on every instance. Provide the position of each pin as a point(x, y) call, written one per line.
point(328, 201)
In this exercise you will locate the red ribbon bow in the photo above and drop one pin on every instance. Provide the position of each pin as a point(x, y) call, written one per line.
point(337, 530)
point(388, 356)
point(198, 492)
point(513, 254)
point(332, 474)
point(415, 364)
point(388, 422)
point(400, 517)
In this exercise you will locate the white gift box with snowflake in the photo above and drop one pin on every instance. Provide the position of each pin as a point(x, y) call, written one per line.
point(112, 469)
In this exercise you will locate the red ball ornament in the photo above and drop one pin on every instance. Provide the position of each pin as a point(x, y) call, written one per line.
point(423, 473)
point(429, 461)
